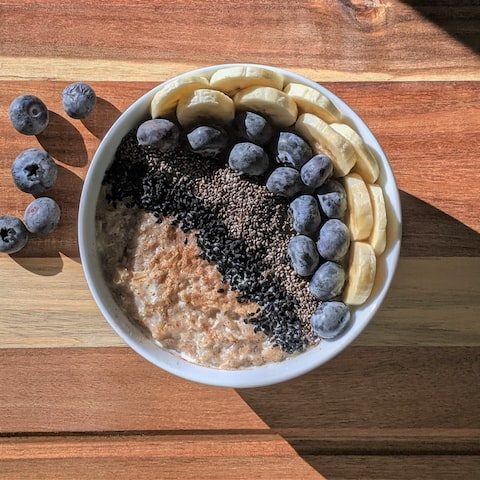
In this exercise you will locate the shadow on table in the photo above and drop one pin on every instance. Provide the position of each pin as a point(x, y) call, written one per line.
point(460, 19)
point(102, 118)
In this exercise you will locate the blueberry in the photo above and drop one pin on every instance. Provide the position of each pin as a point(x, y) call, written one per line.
point(248, 158)
point(292, 150)
point(34, 171)
point(316, 171)
point(254, 128)
point(79, 100)
point(334, 240)
point(303, 255)
point(284, 181)
point(330, 319)
point(333, 199)
point(28, 115)
point(42, 215)
point(208, 141)
point(327, 282)
point(306, 215)
point(159, 133)
point(13, 234)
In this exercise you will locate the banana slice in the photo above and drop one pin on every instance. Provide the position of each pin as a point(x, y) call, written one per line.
point(366, 165)
point(324, 139)
point(231, 79)
point(312, 101)
point(361, 274)
point(359, 217)
point(378, 237)
point(205, 104)
point(166, 99)
point(273, 103)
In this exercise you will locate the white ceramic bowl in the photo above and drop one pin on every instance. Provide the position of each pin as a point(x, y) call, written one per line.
point(254, 376)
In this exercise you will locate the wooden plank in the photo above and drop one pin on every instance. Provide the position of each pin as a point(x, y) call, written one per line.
point(379, 400)
point(196, 457)
point(397, 397)
point(433, 301)
point(439, 220)
point(397, 467)
point(69, 390)
point(331, 41)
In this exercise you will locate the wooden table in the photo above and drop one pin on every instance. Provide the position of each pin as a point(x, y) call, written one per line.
point(403, 402)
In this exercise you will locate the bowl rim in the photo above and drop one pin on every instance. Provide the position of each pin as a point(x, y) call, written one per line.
point(248, 377)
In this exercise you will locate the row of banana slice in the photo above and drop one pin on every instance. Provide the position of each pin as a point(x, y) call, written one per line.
point(253, 88)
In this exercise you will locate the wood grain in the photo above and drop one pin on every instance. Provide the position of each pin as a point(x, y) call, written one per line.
point(144, 457)
point(397, 467)
point(424, 306)
point(384, 398)
point(330, 41)
point(407, 393)
point(439, 220)
point(69, 390)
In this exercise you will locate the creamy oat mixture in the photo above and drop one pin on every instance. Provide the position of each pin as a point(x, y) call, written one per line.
point(158, 278)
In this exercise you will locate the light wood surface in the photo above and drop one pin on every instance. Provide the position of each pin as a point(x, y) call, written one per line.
point(327, 40)
point(423, 307)
point(145, 457)
point(403, 402)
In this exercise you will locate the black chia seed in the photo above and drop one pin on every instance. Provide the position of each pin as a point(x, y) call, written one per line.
point(147, 179)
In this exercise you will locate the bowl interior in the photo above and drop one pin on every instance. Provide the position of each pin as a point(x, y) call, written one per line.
point(254, 376)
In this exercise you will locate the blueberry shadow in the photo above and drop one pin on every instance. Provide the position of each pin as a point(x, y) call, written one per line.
point(63, 141)
point(459, 18)
point(63, 239)
point(334, 396)
point(102, 118)
point(46, 267)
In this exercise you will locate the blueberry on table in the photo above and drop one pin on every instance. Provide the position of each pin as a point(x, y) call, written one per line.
point(293, 150)
point(254, 128)
point(303, 255)
point(330, 319)
point(316, 171)
point(285, 182)
point(79, 100)
point(34, 171)
point(42, 215)
point(334, 240)
point(327, 282)
point(306, 215)
point(207, 140)
point(248, 158)
point(332, 199)
point(13, 234)
point(28, 115)
point(159, 133)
